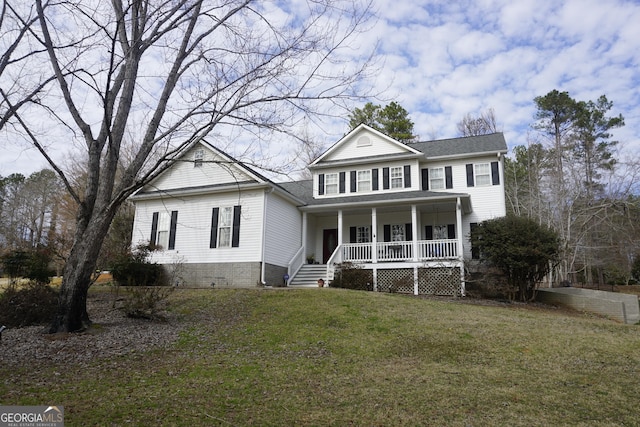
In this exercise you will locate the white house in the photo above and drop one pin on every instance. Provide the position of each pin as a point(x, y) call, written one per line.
point(403, 211)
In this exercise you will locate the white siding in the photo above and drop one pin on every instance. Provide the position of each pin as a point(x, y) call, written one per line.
point(415, 178)
point(283, 232)
point(194, 227)
point(184, 174)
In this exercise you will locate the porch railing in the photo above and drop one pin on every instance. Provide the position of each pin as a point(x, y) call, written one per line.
point(400, 251)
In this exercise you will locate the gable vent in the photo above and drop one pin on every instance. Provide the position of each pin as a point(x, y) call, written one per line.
point(363, 141)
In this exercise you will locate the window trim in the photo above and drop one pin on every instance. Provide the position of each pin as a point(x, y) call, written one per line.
point(482, 178)
point(361, 182)
point(436, 179)
point(331, 180)
point(398, 177)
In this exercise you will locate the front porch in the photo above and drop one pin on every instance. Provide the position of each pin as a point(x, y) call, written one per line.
point(406, 246)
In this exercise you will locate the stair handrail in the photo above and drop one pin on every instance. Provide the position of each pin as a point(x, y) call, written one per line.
point(335, 258)
point(296, 263)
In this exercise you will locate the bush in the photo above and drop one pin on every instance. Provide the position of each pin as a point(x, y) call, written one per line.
point(33, 304)
point(145, 282)
point(520, 248)
point(134, 269)
point(350, 276)
point(146, 302)
point(33, 264)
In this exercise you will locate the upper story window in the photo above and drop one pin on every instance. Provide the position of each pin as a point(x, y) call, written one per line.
point(397, 174)
point(198, 158)
point(364, 181)
point(482, 174)
point(331, 183)
point(436, 179)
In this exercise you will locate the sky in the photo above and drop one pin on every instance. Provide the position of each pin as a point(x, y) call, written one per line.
point(441, 60)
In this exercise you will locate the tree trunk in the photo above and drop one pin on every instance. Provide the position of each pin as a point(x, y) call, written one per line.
point(72, 315)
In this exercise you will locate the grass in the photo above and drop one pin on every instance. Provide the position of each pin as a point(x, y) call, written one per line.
point(333, 357)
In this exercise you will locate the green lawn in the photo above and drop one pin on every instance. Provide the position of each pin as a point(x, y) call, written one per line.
point(330, 357)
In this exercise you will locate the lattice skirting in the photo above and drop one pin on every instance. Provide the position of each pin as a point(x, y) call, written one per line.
point(439, 281)
point(431, 281)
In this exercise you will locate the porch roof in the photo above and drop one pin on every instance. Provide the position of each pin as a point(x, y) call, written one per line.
point(304, 191)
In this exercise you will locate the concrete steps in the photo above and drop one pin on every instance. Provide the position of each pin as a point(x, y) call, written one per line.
point(308, 275)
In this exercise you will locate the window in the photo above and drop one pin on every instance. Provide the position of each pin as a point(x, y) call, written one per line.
point(436, 179)
point(482, 174)
point(364, 181)
point(163, 229)
point(397, 233)
point(331, 183)
point(363, 234)
point(363, 141)
point(198, 158)
point(440, 232)
point(397, 174)
point(225, 227)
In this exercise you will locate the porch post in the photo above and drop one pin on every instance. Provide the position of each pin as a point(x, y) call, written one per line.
point(340, 227)
point(304, 234)
point(460, 247)
point(414, 231)
point(374, 237)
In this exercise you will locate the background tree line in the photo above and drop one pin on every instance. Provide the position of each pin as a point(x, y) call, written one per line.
point(570, 178)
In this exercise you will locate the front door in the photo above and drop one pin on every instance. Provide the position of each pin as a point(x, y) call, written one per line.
point(329, 243)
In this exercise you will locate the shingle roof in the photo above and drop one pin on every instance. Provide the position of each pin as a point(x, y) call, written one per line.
point(304, 191)
point(465, 145)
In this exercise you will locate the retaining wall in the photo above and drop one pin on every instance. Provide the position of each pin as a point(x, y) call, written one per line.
point(621, 307)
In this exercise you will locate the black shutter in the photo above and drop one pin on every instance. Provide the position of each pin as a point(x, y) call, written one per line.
point(475, 252)
point(451, 231)
point(387, 233)
point(407, 176)
point(495, 175)
point(343, 178)
point(408, 231)
point(448, 177)
point(321, 184)
point(374, 179)
point(353, 181)
point(470, 175)
point(428, 231)
point(385, 178)
point(352, 234)
point(154, 229)
point(235, 237)
point(172, 230)
point(213, 240)
point(424, 173)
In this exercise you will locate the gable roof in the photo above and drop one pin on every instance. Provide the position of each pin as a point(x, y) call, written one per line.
point(399, 148)
point(463, 146)
point(255, 179)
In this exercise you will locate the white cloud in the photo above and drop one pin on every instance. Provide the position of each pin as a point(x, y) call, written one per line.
point(443, 59)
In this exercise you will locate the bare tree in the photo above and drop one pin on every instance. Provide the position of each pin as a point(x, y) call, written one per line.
point(484, 124)
point(172, 72)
